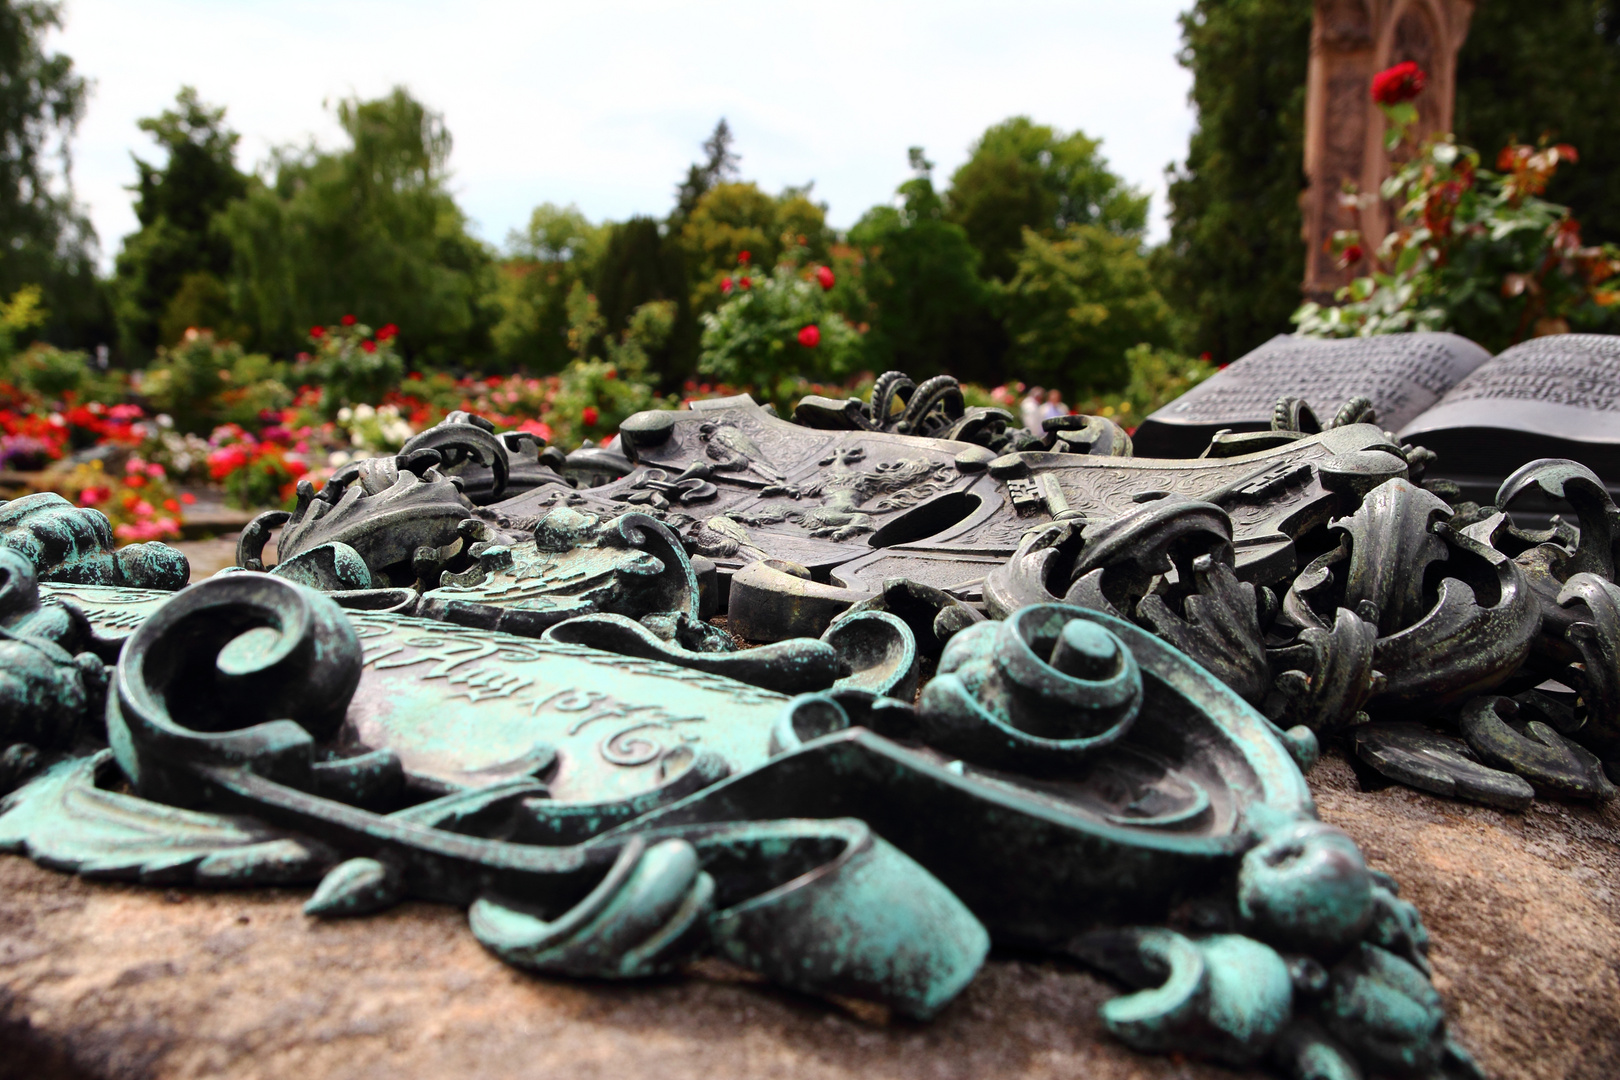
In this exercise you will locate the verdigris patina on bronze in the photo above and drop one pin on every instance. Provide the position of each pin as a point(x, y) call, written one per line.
point(1019, 687)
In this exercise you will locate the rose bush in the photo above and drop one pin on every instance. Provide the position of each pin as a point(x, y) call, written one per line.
point(1474, 251)
point(778, 327)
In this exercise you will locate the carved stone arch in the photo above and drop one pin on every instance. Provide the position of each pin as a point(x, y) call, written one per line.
point(1414, 33)
point(1346, 25)
point(1350, 42)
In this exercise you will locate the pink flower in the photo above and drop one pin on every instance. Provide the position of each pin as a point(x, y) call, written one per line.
point(388, 331)
point(743, 257)
point(725, 285)
point(347, 320)
point(824, 276)
point(810, 336)
point(368, 346)
point(745, 283)
point(317, 331)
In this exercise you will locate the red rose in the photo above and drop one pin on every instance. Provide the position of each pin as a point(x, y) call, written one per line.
point(368, 346)
point(745, 283)
point(1353, 254)
point(347, 320)
point(810, 336)
point(743, 257)
point(589, 415)
point(387, 332)
point(317, 331)
point(725, 285)
point(1403, 82)
point(824, 276)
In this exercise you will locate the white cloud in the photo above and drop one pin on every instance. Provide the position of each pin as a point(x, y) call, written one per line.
point(604, 103)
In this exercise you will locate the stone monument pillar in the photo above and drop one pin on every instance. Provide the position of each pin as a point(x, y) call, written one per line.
point(1351, 41)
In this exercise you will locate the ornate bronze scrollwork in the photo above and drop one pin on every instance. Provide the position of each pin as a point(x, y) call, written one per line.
point(841, 701)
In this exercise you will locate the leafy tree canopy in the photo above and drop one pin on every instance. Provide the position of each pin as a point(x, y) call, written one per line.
point(734, 217)
point(1235, 260)
point(719, 165)
point(1023, 175)
point(49, 241)
point(929, 309)
point(370, 230)
point(558, 234)
point(642, 265)
point(559, 249)
point(1076, 304)
point(170, 273)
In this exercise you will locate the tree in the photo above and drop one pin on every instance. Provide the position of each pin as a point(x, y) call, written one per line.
point(1076, 304)
point(1235, 260)
point(171, 271)
point(1528, 71)
point(1023, 175)
point(930, 309)
point(371, 230)
point(49, 242)
point(559, 248)
point(641, 264)
point(719, 165)
point(732, 218)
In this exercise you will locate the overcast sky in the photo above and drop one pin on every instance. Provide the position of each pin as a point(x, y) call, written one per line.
point(604, 103)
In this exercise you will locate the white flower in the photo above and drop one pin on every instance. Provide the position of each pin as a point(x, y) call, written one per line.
point(337, 459)
point(345, 414)
point(363, 413)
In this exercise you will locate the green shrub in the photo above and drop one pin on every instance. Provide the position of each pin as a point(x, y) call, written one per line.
point(202, 382)
point(1076, 304)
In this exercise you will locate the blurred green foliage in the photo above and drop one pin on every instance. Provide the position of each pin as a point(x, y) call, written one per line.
point(1076, 303)
point(371, 229)
point(49, 242)
point(169, 275)
point(1235, 260)
point(926, 304)
point(1022, 175)
point(202, 382)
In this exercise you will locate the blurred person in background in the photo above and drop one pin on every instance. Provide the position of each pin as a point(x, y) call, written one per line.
point(1031, 409)
point(1053, 407)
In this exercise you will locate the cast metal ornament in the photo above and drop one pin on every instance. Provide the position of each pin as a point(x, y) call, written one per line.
point(991, 685)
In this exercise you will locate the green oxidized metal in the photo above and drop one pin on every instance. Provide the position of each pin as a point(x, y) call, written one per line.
point(487, 676)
